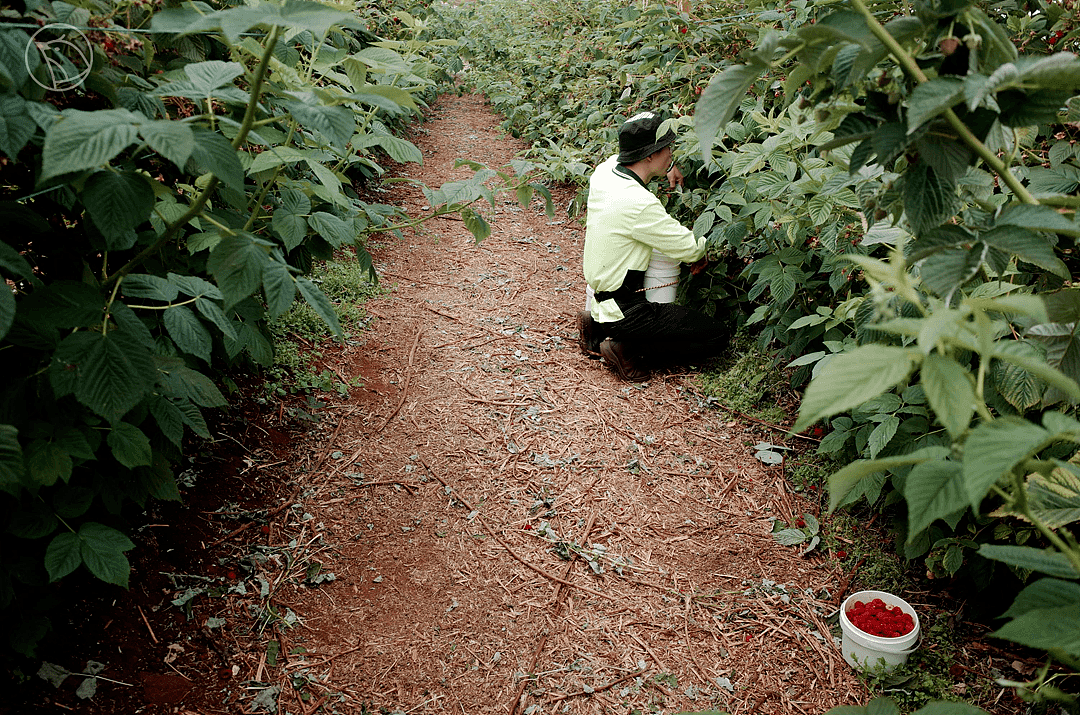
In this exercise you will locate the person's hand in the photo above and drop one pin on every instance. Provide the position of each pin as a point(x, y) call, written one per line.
point(674, 176)
point(698, 266)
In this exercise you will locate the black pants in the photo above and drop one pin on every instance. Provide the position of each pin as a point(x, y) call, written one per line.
point(660, 334)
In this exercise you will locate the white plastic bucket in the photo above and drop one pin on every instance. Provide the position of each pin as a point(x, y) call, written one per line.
point(867, 652)
point(661, 272)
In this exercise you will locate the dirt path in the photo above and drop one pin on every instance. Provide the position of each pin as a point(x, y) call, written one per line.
point(510, 450)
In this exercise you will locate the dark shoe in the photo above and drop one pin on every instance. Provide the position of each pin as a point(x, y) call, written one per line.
point(613, 353)
point(588, 335)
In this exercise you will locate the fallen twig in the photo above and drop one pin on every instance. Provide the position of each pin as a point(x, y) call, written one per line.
point(273, 512)
point(601, 689)
point(506, 546)
point(404, 388)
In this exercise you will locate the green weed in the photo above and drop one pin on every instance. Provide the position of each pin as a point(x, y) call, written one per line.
point(746, 380)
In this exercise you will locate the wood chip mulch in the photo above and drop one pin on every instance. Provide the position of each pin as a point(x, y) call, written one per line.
point(510, 528)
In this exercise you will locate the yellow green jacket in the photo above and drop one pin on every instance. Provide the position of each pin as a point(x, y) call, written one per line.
point(625, 222)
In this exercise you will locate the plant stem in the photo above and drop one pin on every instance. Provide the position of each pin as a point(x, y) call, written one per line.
point(907, 62)
point(238, 141)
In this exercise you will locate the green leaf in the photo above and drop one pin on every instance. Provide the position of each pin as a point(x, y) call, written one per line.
point(933, 490)
point(129, 445)
point(195, 287)
point(1044, 594)
point(208, 76)
point(7, 310)
point(320, 303)
point(882, 434)
point(932, 98)
point(213, 312)
point(62, 555)
point(1062, 352)
point(33, 520)
point(199, 388)
point(16, 125)
point(929, 199)
point(1020, 388)
point(1050, 562)
point(850, 379)
point(949, 391)
point(882, 706)
point(211, 152)
point(46, 462)
point(114, 371)
point(279, 288)
point(65, 304)
point(789, 537)
point(102, 550)
point(188, 332)
point(1026, 245)
point(336, 232)
point(173, 140)
point(117, 203)
point(11, 260)
point(945, 271)
point(1038, 218)
point(1063, 179)
point(237, 264)
point(1050, 629)
point(993, 449)
point(290, 226)
point(12, 468)
point(718, 102)
point(86, 140)
point(144, 285)
point(844, 480)
point(337, 124)
point(475, 222)
point(169, 420)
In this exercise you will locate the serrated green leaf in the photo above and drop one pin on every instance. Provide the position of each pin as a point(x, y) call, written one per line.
point(1050, 562)
point(102, 550)
point(850, 379)
point(1026, 245)
point(930, 99)
point(144, 285)
point(718, 102)
point(173, 140)
point(213, 312)
point(7, 310)
point(1044, 594)
point(16, 125)
point(62, 555)
point(12, 468)
point(949, 391)
point(933, 490)
point(320, 303)
point(993, 449)
point(188, 332)
point(842, 482)
point(942, 707)
point(1038, 218)
point(129, 445)
point(211, 152)
point(337, 124)
point(168, 418)
point(114, 372)
point(208, 76)
point(47, 462)
point(86, 140)
point(789, 537)
point(118, 202)
point(929, 198)
point(336, 232)
point(279, 288)
point(882, 433)
point(477, 225)
point(237, 264)
point(32, 520)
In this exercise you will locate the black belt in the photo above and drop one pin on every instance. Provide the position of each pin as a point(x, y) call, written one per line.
point(628, 293)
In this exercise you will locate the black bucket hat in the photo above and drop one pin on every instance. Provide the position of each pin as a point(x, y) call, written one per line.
point(637, 137)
